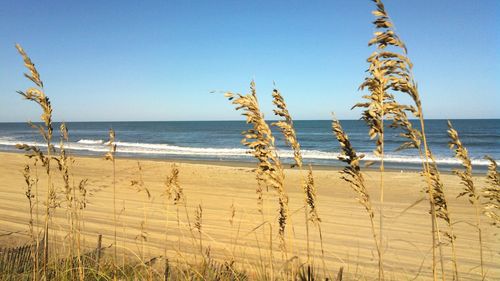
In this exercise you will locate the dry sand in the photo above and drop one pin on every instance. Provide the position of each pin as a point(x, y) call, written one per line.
point(346, 232)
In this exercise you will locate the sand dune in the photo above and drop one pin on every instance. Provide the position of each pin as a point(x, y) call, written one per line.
point(346, 232)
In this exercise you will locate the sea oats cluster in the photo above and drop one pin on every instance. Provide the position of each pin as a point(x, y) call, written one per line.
point(173, 189)
point(396, 67)
point(467, 181)
point(352, 172)
point(491, 193)
point(38, 96)
point(463, 155)
point(63, 165)
point(310, 195)
point(75, 197)
point(261, 142)
point(112, 146)
point(30, 195)
point(286, 127)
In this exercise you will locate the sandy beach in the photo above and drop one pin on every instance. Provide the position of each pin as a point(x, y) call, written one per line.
point(345, 224)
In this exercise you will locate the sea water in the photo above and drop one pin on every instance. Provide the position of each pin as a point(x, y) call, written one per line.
point(221, 141)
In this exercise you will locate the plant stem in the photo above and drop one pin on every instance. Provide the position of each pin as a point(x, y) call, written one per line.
point(381, 221)
point(435, 226)
point(480, 236)
point(114, 217)
point(47, 213)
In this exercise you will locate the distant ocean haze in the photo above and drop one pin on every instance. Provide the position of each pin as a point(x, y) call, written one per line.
point(221, 141)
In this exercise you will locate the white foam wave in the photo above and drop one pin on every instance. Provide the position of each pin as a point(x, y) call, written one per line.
point(151, 148)
point(321, 155)
point(166, 149)
point(84, 141)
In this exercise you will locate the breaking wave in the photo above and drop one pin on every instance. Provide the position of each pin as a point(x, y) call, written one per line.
point(99, 146)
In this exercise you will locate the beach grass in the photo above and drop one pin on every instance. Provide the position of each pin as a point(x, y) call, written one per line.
point(184, 221)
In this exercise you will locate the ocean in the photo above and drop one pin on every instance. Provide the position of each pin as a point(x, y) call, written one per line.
point(221, 141)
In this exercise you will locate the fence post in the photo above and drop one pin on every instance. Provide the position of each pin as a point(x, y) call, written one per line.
point(22, 260)
point(167, 269)
point(31, 257)
point(2, 259)
point(12, 262)
point(340, 273)
point(19, 260)
point(26, 257)
point(98, 254)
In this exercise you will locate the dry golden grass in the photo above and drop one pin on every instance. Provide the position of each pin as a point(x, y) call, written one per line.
point(491, 193)
point(261, 142)
point(38, 96)
point(285, 125)
point(392, 71)
point(352, 175)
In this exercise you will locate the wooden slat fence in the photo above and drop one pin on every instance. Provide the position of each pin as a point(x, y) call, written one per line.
point(21, 259)
point(18, 259)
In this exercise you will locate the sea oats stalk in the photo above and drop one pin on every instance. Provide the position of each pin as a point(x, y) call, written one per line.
point(72, 200)
point(198, 223)
point(310, 197)
point(80, 204)
point(166, 202)
point(175, 192)
point(470, 191)
point(397, 69)
point(287, 128)
point(37, 217)
point(380, 104)
point(110, 155)
point(30, 183)
point(352, 175)
point(37, 95)
point(81, 201)
point(63, 165)
point(261, 142)
point(442, 212)
point(376, 110)
point(491, 193)
point(173, 189)
point(234, 237)
point(313, 217)
point(232, 208)
point(140, 187)
point(168, 192)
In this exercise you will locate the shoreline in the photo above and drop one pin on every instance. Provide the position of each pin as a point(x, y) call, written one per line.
point(239, 163)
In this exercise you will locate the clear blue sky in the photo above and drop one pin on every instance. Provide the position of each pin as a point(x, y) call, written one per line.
point(158, 60)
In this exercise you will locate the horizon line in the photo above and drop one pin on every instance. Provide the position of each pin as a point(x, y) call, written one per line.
point(233, 120)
